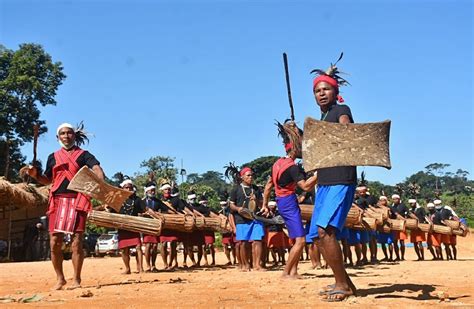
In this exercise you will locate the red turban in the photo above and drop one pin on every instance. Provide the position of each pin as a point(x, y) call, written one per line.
point(245, 170)
point(331, 81)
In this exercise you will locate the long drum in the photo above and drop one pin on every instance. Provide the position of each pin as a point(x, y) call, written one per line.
point(306, 211)
point(367, 224)
point(353, 217)
point(453, 224)
point(442, 229)
point(124, 222)
point(373, 214)
point(460, 232)
point(411, 224)
point(425, 227)
point(397, 224)
point(385, 211)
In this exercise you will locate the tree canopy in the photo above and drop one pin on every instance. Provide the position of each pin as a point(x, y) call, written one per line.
point(28, 77)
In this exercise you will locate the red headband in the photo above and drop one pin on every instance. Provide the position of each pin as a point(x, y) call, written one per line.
point(245, 170)
point(331, 81)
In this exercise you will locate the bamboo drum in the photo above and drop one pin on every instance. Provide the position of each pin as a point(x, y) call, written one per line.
point(175, 222)
point(442, 229)
point(306, 211)
point(354, 217)
point(459, 232)
point(425, 227)
point(367, 224)
point(373, 214)
point(125, 222)
point(411, 224)
point(453, 224)
point(397, 225)
point(385, 211)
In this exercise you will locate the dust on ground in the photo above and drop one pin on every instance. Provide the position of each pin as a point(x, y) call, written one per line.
point(405, 284)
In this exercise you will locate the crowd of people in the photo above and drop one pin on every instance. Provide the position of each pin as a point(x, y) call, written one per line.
point(250, 239)
point(255, 245)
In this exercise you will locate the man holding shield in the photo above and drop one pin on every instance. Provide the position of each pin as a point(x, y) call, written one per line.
point(335, 190)
point(67, 209)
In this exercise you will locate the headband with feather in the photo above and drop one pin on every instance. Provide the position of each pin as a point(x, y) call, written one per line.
point(331, 76)
point(363, 182)
point(292, 137)
point(232, 173)
point(82, 136)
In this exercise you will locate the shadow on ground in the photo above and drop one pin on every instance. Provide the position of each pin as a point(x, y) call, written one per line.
point(387, 290)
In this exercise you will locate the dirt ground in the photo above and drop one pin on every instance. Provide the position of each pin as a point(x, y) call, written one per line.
point(405, 284)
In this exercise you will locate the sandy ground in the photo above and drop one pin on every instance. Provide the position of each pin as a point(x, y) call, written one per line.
point(406, 284)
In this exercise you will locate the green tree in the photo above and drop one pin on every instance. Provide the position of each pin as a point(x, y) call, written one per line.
point(28, 77)
point(211, 194)
point(11, 158)
point(215, 180)
point(162, 168)
point(262, 168)
point(436, 169)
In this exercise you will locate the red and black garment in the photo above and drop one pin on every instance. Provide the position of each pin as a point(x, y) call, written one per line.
point(67, 209)
point(154, 204)
point(285, 176)
point(131, 207)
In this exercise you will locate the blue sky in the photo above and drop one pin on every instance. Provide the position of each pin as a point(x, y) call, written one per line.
point(203, 81)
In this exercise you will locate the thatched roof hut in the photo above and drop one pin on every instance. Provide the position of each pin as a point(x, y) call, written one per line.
point(20, 204)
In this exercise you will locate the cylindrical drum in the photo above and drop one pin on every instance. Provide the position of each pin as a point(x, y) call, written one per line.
point(425, 227)
point(442, 229)
point(411, 224)
point(397, 224)
point(453, 224)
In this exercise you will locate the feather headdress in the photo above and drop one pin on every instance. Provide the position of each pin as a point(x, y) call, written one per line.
point(292, 137)
point(332, 72)
point(232, 173)
point(82, 136)
point(363, 182)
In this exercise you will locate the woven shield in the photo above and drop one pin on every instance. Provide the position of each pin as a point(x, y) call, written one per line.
point(86, 182)
point(328, 144)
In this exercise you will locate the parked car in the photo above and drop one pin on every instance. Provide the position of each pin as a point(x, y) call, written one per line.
point(89, 243)
point(107, 244)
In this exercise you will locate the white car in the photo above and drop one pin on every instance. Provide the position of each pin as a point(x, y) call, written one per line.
point(107, 244)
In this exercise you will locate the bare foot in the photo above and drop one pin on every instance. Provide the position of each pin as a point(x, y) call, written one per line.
point(59, 285)
point(125, 272)
point(260, 269)
point(75, 285)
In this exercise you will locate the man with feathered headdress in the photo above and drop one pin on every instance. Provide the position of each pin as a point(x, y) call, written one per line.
point(336, 186)
point(67, 209)
point(286, 176)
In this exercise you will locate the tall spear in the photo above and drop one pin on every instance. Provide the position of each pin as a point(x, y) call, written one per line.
point(287, 75)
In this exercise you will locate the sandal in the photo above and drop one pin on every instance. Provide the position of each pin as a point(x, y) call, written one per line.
point(328, 289)
point(336, 299)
